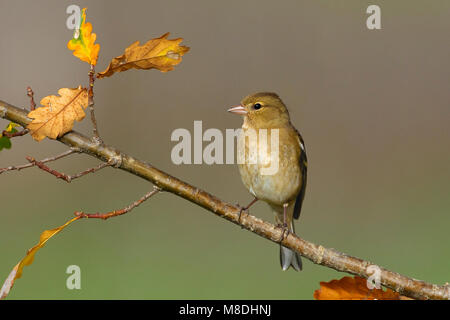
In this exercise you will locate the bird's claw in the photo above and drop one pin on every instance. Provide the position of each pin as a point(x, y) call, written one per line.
point(285, 231)
point(242, 209)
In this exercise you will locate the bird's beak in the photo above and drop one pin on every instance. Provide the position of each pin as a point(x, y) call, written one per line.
point(238, 110)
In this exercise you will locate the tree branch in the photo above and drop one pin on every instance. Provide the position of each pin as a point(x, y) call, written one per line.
point(15, 134)
point(316, 253)
point(116, 213)
point(63, 176)
point(96, 136)
point(30, 93)
point(54, 158)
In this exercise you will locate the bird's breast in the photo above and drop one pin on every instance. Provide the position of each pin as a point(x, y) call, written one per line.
point(270, 171)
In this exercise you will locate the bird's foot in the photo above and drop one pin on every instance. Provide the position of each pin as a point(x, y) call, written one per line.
point(242, 209)
point(285, 231)
point(245, 209)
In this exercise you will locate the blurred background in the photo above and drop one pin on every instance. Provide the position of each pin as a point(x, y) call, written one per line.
point(372, 106)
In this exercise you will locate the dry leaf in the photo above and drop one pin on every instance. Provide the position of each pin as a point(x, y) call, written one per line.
point(16, 273)
point(83, 42)
point(58, 114)
point(349, 288)
point(159, 53)
point(9, 282)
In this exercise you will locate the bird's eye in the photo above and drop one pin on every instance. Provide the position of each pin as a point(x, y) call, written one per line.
point(257, 106)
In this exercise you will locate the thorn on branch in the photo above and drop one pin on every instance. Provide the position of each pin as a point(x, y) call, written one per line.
point(122, 211)
point(64, 176)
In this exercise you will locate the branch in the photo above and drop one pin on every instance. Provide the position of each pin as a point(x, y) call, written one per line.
point(96, 137)
point(54, 158)
point(30, 93)
point(15, 134)
point(316, 253)
point(63, 176)
point(116, 213)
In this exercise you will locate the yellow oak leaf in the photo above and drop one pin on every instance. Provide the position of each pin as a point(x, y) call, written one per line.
point(349, 288)
point(16, 273)
point(58, 114)
point(159, 53)
point(83, 42)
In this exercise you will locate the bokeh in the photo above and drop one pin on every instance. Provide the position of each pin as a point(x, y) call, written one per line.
point(372, 106)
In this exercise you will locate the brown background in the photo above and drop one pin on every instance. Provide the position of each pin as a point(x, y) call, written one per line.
point(373, 108)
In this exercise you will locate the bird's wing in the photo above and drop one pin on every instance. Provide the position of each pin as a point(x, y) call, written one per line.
point(303, 167)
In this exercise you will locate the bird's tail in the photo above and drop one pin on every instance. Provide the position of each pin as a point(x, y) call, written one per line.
point(288, 257)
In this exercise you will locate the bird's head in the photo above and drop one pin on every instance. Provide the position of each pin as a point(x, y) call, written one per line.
point(262, 110)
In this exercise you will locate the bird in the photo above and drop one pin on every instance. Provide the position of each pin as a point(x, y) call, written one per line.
point(284, 189)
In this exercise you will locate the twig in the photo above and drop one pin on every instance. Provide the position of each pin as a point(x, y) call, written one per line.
point(15, 134)
point(28, 165)
point(96, 136)
point(316, 253)
point(115, 213)
point(30, 93)
point(24, 131)
point(63, 176)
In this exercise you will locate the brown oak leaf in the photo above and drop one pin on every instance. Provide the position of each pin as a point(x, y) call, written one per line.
point(159, 53)
point(58, 113)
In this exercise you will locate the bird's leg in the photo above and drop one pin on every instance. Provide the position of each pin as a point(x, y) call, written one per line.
point(285, 226)
point(246, 208)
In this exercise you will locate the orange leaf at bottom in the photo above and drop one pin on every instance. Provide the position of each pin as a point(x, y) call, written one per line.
point(349, 288)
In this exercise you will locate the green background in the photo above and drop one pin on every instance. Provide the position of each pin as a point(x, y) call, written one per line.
point(372, 106)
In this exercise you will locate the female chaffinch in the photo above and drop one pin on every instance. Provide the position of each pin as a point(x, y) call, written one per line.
point(284, 188)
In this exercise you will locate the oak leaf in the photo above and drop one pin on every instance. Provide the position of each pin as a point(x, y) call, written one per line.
point(16, 273)
point(58, 114)
point(83, 42)
point(160, 53)
point(349, 288)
